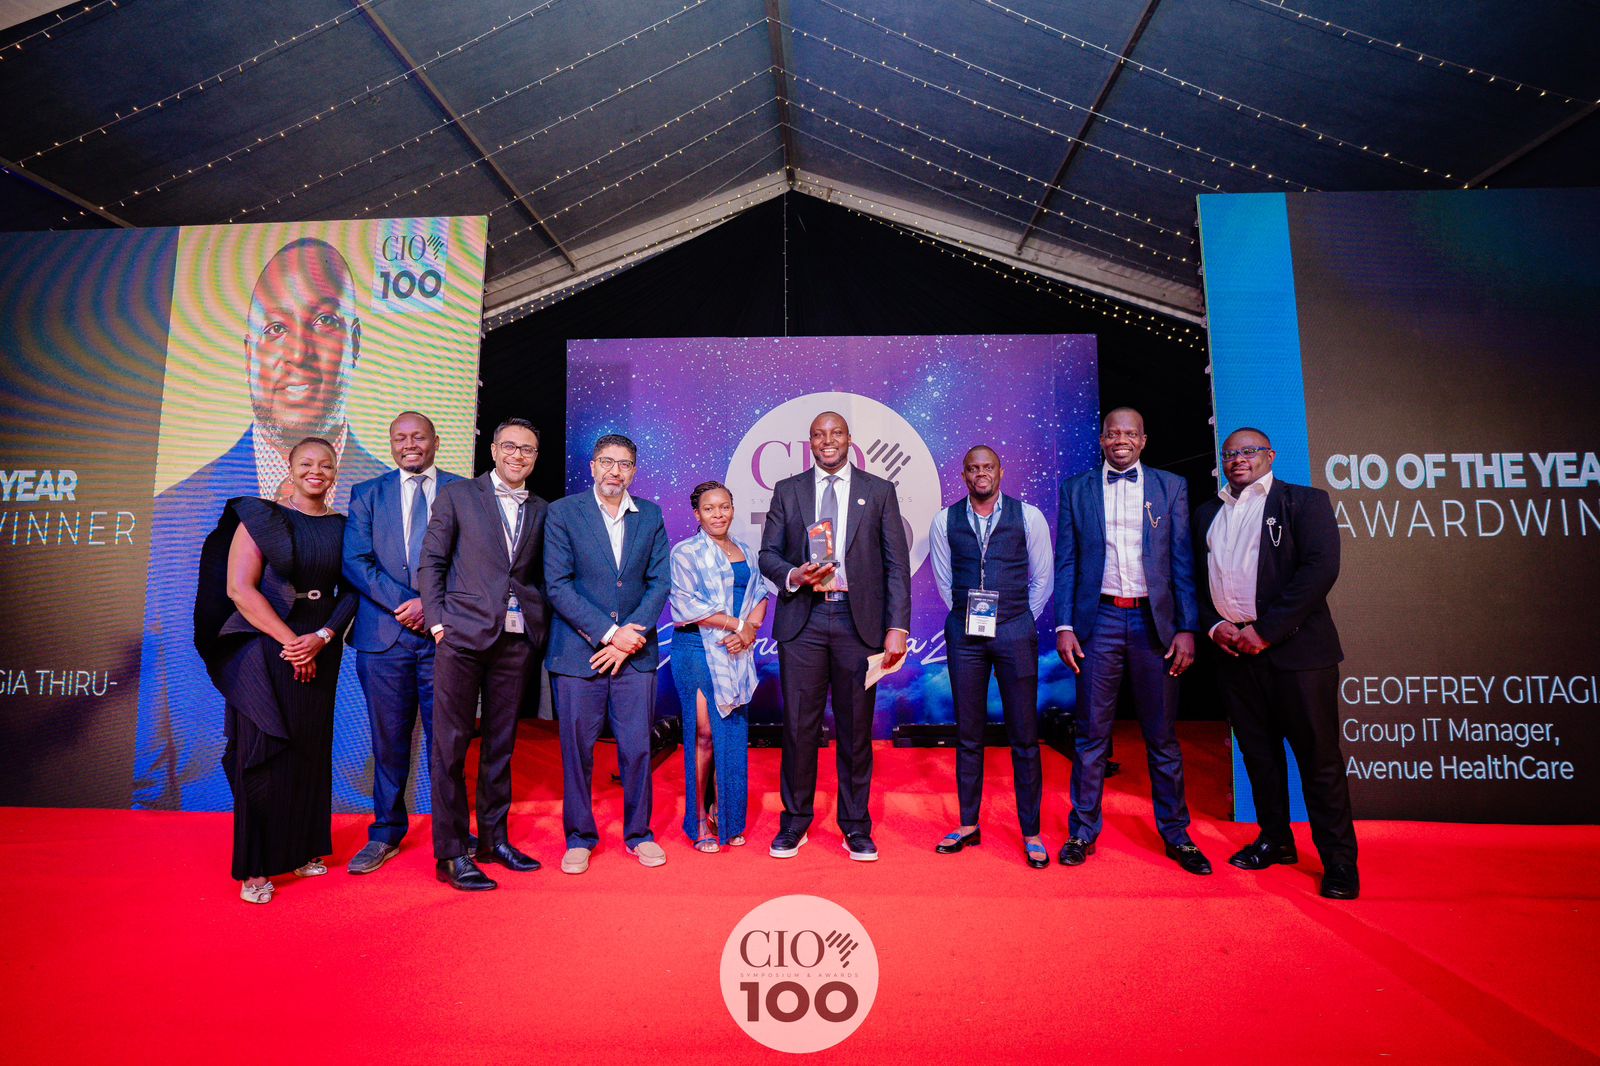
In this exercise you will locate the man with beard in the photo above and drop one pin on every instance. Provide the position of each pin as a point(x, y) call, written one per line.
point(301, 344)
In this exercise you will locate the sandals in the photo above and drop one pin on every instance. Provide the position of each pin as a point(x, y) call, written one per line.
point(261, 893)
point(313, 868)
point(707, 842)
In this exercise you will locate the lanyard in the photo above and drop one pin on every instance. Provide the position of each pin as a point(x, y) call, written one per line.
point(512, 535)
point(983, 526)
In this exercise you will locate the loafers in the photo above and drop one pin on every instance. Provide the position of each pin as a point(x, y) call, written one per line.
point(786, 845)
point(1262, 853)
point(1190, 858)
point(954, 842)
point(575, 861)
point(1076, 851)
point(462, 874)
point(510, 858)
point(1341, 881)
point(369, 858)
point(261, 893)
point(649, 853)
point(1037, 856)
point(861, 847)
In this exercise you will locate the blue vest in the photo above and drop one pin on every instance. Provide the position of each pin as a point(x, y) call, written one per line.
point(1006, 571)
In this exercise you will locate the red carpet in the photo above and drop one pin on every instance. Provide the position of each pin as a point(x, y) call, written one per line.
point(126, 942)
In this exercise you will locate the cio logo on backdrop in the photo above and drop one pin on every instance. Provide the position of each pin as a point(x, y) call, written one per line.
point(411, 263)
point(882, 443)
point(799, 973)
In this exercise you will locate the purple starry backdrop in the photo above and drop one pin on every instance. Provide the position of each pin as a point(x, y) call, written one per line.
point(687, 403)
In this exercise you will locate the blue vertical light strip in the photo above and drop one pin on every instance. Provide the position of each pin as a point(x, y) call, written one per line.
point(1256, 377)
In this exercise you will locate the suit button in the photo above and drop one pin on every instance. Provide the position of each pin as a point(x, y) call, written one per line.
point(613, 616)
point(619, 584)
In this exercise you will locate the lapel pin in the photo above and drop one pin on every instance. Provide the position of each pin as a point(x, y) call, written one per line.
point(1274, 532)
point(860, 502)
point(1155, 519)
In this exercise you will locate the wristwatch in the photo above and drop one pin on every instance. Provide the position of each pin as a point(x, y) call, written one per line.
point(326, 634)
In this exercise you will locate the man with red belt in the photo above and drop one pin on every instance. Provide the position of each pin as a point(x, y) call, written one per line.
point(1125, 606)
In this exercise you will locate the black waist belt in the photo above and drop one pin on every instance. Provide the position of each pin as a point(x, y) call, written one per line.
point(836, 597)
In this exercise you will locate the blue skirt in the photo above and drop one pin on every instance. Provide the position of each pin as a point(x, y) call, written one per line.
point(730, 742)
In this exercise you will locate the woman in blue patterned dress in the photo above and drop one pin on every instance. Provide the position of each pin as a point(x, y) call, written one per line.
point(718, 603)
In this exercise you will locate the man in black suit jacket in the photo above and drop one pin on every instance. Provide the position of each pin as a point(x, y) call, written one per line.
point(829, 619)
point(1270, 551)
point(482, 585)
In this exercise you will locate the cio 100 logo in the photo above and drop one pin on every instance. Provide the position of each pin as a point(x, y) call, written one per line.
point(410, 271)
point(799, 973)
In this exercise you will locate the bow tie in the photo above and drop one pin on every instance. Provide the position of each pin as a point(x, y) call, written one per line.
point(1114, 476)
point(518, 495)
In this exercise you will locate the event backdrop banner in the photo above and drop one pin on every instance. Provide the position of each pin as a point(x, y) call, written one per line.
point(1429, 360)
point(148, 376)
point(739, 411)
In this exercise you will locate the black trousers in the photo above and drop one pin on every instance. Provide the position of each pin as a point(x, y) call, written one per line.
point(827, 656)
point(1268, 706)
point(500, 673)
point(1012, 656)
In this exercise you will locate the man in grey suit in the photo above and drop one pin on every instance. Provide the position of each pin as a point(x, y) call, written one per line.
point(1125, 606)
point(607, 572)
point(394, 659)
point(483, 600)
point(829, 619)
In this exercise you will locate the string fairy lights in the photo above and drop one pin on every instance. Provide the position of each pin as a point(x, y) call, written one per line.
point(60, 23)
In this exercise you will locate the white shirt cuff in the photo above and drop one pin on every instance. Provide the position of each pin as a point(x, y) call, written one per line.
point(1063, 629)
point(609, 634)
point(436, 630)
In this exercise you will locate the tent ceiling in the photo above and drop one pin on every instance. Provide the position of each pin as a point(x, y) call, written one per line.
point(1069, 137)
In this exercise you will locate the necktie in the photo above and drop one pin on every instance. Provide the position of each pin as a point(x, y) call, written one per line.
point(419, 523)
point(828, 511)
point(1114, 476)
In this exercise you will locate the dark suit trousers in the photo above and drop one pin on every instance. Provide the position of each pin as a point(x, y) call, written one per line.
point(583, 704)
point(1012, 656)
point(1122, 643)
point(826, 656)
point(500, 672)
point(398, 684)
point(1268, 706)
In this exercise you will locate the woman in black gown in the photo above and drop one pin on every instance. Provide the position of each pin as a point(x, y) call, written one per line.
point(268, 623)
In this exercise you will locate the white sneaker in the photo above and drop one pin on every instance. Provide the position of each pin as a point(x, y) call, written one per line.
point(261, 893)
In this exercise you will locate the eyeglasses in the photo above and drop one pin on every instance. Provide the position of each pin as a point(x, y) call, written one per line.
point(605, 462)
point(527, 451)
point(1242, 453)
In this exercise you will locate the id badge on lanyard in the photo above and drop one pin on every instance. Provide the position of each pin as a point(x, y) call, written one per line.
point(983, 606)
point(514, 619)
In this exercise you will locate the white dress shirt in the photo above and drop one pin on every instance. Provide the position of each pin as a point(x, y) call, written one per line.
point(1234, 546)
point(1124, 503)
point(840, 528)
point(614, 531)
point(430, 492)
point(1036, 533)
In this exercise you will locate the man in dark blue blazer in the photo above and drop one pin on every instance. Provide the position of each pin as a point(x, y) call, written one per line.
point(1269, 554)
point(607, 574)
point(383, 535)
point(483, 601)
point(1125, 607)
point(301, 346)
point(829, 619)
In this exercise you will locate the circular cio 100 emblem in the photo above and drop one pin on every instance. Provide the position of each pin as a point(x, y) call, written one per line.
point(799, 973)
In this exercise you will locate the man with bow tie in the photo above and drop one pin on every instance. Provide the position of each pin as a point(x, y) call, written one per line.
point(483, 600)
point(1125, 606)
point(394, 657)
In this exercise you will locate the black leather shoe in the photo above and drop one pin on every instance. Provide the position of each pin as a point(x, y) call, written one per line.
point(1341, 881)
point(954, 842)
point(1190, 858)
point(861, 847)
point(510, 858)
point(1262, 854)
point(1075, 851)
point(786, 845)
point(1037, 857)
point(462, 873)
point(1113, 768)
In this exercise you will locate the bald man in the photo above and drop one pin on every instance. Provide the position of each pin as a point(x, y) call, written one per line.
point(301, 343)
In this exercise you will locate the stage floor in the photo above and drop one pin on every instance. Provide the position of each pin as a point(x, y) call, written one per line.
point(126, 941)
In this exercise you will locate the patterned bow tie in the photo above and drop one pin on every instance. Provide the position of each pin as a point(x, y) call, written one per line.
point(1114, 476)
point(519, 495)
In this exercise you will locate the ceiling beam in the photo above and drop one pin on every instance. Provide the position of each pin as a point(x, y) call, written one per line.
point(781, 61)
point(1548, 135)
point(1088, 121)
point(16, 171)
point(437, 96)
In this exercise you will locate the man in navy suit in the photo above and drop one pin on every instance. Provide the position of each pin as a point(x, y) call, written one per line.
point(483, 601)
point(829, 619)
point(607, 573)
point(1125, 607)
point(394, 656)
point(301, 345)
point(1270, 553)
